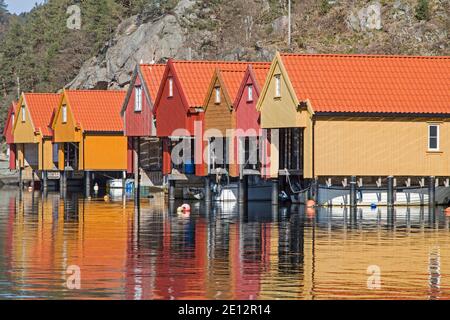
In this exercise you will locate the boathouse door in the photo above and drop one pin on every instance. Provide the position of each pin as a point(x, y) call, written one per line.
point(71, 154)
point(291, 150)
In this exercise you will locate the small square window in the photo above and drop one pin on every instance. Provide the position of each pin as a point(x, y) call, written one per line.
point(217, 90)
point(250, 93)
point(138, 99)
point(277, 86)
point(433, 137)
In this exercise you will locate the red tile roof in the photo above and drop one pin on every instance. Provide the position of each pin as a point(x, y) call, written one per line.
point(232, 80)
point(370, 83)
point(260, 72)
point(12, 109)
point(97, 110)
point(153, 74)
point(41, 107)
point(195, 77)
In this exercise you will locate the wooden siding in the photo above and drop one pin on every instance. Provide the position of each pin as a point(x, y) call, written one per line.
point(46, 155)
point(24, 132)
point(171, 113)
point(379, 147)
point(218, 116)
point(138, 124)
point(104, 152)
point(65, 132)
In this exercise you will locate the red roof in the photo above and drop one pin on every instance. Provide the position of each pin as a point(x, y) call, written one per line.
point(41, 107)
point(153, 74)
point(260, 72)
point(97, 110)
point(195, 77)
point(371, 83)
point(232, 80)
point(12, 109)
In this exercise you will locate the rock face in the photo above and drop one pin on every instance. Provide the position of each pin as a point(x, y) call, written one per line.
point(148, 42)
point(254, 30)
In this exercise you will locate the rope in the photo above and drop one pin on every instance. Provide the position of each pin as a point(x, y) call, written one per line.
point(290, 184)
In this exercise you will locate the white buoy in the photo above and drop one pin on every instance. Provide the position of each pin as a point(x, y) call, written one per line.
point(186, 207)
point(96, 188)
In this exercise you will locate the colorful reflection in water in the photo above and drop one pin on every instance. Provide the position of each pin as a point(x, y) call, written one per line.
point(218, 252)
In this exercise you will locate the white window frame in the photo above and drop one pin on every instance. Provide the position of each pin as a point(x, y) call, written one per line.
point(64, 114)
point(24, 116)
point(250, 92)
point(277, 85)
point(170, 87)
point(217, 94)
point(437, 137)
point(137, 98)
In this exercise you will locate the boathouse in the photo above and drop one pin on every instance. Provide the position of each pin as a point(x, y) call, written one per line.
point(349, 123)
point(144, 148)
point(179, 116)
point(88, 129)
point(33, 136)
point(9, 137)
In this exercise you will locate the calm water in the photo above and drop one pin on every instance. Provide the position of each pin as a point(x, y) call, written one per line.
point(218, 253)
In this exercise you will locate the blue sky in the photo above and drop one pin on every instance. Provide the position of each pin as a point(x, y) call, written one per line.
point(19, 6)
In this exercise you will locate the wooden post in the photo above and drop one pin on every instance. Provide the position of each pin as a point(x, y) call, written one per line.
point(44, 186)
point(20, 178)
point(431, 192)
point(87, 181)
point(171, 190)
point(390, 191)
point(136, 159)
point(275, 192)
point(243, 189)
point(124, 183)
point(208, 193)
point(353, 191)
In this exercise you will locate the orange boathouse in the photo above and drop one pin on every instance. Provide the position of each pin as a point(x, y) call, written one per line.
point(33, 136)
point(88, 129)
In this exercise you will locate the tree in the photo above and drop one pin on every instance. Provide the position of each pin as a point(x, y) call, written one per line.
point(423, 10)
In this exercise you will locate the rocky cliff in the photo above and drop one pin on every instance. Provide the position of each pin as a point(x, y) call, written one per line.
point(255, 29)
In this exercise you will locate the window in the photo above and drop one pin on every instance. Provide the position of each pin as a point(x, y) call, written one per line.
point(138, 99)
point(24, 117)
point(170, 87)
point(277, 86)
point(217, 89)
point(12, 119)
point(433, 137)
point(64, 114)
point(250, 93)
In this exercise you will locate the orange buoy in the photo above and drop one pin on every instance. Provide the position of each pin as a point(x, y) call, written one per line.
point(310, 212)
point(447, 211)
point(310, 204)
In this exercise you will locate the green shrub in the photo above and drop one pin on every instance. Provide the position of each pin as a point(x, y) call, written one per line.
point(423, 10)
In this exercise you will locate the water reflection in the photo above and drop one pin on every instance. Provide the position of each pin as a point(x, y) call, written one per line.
point(255, 251)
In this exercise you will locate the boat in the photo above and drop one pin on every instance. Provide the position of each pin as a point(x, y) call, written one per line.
point(118, 184)
point(373, 196)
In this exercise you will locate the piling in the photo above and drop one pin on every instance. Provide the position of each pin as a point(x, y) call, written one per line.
point(137, 176)
point(124, 182)
point(20, 179)
point(275, 192)
point(243, 189)
point(87, 183)
point(208, 194)
point(63, 181)
point(353, 191)
point(32, 179)
point(171, 190)
point(390, 191)
point(431, 192)
point(44, 186)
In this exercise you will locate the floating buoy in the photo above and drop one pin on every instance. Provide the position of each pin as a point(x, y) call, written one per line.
point(373, 206)
point(96, 188)
point(310, 212)
point(106, 198)
point(30, 189)
point(447, 211)
point(310, 204)
point(89, 198)
point(186, 207)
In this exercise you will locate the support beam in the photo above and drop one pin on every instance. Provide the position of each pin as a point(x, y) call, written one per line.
point(208, 194)
point(390, 191)
point(275, 192)
point(431, 191)
point(243, 189)
point(353, 191)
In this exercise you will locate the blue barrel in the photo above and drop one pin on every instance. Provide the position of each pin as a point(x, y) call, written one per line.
point(189, 168)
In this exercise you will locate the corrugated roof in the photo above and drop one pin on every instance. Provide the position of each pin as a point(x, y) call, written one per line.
point(152, 74)
point(97, 110)
point(195, 77)
point(371, 83)
point(41, 107)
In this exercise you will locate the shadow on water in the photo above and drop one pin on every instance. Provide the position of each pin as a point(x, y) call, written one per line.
point(226, 251)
